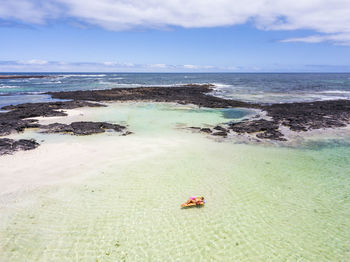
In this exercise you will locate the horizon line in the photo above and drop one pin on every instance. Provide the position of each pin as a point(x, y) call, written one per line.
point(204, 72)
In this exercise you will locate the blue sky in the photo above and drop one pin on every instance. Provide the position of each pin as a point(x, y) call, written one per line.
point(164, 36)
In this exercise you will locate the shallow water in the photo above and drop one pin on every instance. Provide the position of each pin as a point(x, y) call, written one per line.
point(264, 203)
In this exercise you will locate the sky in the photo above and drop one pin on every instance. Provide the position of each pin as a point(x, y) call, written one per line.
point(174, 36)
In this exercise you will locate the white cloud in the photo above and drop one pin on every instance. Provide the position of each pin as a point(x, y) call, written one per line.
point(33, 62)
point(198, 67)
point(329, 17)
point(30, 11)
point(190, 66)
point(158, 66)
point(340, 39)
point(35, 65)
point(109, 63)
point(61, 66)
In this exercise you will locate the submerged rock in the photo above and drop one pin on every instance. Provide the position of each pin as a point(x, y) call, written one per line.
point(8, 146)
point(83, 128)
point(195, 127)
point(127, 133)
point(222, 131)
point(272, 134)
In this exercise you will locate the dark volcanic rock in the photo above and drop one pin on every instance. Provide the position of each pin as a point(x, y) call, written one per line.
point(15, 119)
point(311, 115)
point(82, 128)
point(8, 125)
point(127, 133)
point(23, 76)
point(186, 94)
point(44, 109)
point(8, 146)
point(266, 129)
point(200, 129)
point(271, 134)
point(57, 128)
point(205, 130)
point(296, 116)
point(220, 133)
point(253, 126)
point(220, 128)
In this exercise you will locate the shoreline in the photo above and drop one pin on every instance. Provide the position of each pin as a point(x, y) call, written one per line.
point(271, 125)
point(298, 116)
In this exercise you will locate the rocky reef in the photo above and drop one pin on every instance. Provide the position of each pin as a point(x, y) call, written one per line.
point(16, 120)
point(263, 128)
point(22, 76)
point(185, 94)
point(83, 128)
point(297, 117)
point(8, 146)
point(310, 115)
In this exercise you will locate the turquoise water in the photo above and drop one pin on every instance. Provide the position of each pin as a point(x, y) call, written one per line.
point(264, 203)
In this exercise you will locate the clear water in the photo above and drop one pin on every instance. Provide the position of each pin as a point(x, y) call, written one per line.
point(112, 198)
point(264, 203)
point(268, 88)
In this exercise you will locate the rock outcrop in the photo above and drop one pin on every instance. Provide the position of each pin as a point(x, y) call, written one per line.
point(82, 128)
point(23, 76)
point(296, 116)
point(9, 146)
point(15, 120)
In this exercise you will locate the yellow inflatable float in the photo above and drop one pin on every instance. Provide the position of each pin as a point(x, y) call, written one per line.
point(194, 201)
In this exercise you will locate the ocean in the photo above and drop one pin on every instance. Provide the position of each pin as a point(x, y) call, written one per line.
point(263, 88)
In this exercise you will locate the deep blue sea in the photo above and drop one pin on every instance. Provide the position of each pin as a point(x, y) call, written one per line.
point(262, 87)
